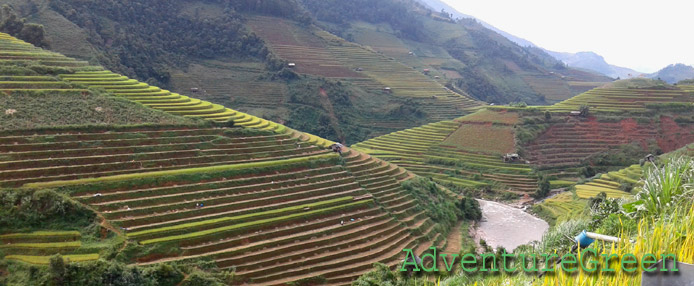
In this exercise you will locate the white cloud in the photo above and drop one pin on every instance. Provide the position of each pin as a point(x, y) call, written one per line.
point(644, 35)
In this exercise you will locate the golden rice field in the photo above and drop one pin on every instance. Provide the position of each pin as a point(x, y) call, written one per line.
point(494, 139)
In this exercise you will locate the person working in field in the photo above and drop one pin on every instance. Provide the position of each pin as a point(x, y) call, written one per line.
point(337, 148)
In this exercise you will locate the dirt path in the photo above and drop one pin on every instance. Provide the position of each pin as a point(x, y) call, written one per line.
point(328, 106)
point(453, 245)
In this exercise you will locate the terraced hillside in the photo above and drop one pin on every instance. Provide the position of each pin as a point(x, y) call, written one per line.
point(268, 206)
point(611, 183)
point(37, 247)
point(28, 158)
point(320, 53)
point(615, 184)
point(621, 99)
point(18, 52)
point(569, 143)
point(80, 77)
point(271, 203)
point(449, 153)
point(231, 83)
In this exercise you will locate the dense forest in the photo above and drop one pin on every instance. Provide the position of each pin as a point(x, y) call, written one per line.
point(395, 13)
point(143, 38)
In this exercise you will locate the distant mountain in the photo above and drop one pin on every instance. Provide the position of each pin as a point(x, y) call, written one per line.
point(438, 5)
point(594, 62)
point(583, 60)
point(674, 73)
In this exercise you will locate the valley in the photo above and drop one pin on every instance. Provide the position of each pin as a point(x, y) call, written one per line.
point(305, 142)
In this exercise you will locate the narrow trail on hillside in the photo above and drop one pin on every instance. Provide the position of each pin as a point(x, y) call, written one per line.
point(453, 239)
point(328, 106)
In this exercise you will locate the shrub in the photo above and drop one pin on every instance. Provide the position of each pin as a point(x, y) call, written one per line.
point(24, 210)
point(470, 208)
point(663, 188)
point(438, 205)
point(543, 188)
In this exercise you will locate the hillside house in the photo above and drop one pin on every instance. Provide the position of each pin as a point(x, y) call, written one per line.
point(291, 65)
point(575, 113)
point(387, 90)
point(426, 71)
point(194, 89)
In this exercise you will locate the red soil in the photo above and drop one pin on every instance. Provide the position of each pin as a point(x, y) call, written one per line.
point(568, 142)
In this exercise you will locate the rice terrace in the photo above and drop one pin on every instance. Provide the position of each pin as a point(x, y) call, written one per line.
point(327, 142)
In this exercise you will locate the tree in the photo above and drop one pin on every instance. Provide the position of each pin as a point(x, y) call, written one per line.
point(11, 24)
point(543, 188)
point(34, 34)
point(56, 265)
point(470, 208)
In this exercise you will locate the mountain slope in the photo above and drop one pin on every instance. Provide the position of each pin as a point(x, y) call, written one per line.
point(674, 73)
point(269, 203)
point(463, 55)
point(582, 60)
point(594, 62)
point(438, 5)
point(626, 120)
point(228, 64)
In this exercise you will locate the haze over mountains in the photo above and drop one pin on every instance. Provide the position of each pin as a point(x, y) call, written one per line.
point(586, 60)
point(594, 62)
point(194, 143)
point(674, 73)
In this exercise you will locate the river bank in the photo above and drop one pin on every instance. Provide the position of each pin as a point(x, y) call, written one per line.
point(507, 226)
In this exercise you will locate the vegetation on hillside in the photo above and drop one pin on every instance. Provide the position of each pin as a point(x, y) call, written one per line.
point(11, 24)
point(342, 13)
point(656, 221)
point(144, 39)
point(491, 68)
point(336, 110)
point(39, 109)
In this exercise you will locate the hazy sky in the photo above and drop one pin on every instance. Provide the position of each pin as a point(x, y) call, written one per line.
point(643, 35)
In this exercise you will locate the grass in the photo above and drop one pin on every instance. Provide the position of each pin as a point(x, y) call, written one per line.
point(47, 108)
point(561, 207)
point(589, 191)
point(483, 138)
point(237, 219)
point(41, 235)
point(493, 116)
point(658, 237)
point(250, 224)
point(561, 183)
point(45, 260)
point(178, 172)
point(39, 245)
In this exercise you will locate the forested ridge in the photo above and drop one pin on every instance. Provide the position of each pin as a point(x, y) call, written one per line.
point(396, 14)
point(143, 38)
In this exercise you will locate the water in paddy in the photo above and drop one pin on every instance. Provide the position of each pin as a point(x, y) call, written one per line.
point(507, 226)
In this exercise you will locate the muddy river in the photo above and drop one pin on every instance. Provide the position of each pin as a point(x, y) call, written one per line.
point(507, 226)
